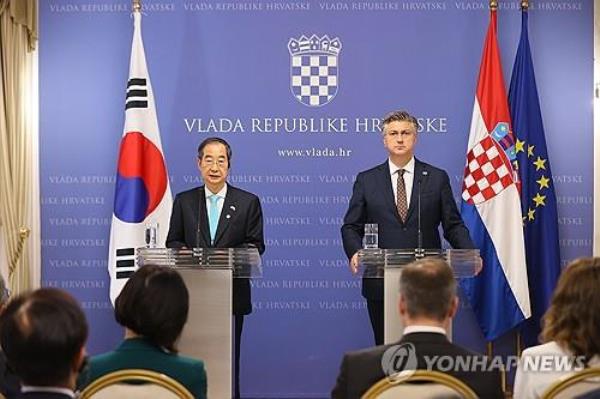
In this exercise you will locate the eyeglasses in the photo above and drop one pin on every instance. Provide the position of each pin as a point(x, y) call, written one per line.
point(220, 162)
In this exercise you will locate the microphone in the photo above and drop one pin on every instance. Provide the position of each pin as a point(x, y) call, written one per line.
point(198, 222)
point(420, 251)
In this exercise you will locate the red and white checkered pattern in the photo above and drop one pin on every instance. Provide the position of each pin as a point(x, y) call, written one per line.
point(487, 173)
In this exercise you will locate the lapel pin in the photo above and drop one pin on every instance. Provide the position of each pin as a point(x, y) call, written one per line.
point(228, 216)
point(232, 208)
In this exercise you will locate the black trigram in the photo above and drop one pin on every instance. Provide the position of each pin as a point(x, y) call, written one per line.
point(125, 262)
point(137, 94)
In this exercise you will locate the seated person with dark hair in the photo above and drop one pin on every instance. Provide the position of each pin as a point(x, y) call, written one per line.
point(153, 307)
point(43, 336)
point(427, 303)
point(10, 386)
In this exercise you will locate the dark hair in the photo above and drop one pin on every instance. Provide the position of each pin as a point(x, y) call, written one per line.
point(154, 303)
point(398, 116)
point(428, 287)
point(573, 318)
point(215, 140)
point(42, 333)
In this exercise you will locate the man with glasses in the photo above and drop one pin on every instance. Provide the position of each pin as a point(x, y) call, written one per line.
point(218, 215)
point(388, 195)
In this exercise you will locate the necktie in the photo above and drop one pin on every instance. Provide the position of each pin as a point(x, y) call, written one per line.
point(213, 216)
point(401, 196)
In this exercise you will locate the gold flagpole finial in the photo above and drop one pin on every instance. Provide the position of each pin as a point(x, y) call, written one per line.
point(136, 5)
point(525, 5)
point(493, 5)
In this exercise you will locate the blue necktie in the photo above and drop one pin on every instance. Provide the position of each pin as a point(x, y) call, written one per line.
point(213, 216)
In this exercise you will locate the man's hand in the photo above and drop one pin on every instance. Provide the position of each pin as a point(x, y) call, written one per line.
point(354, 263)
point(479, 266)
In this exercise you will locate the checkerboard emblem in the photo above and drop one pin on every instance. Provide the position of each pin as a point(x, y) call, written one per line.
point(488, 170)
point(314, 69)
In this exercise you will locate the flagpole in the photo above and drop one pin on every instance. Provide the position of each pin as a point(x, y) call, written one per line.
point(518, 338)
point(136, 5)
point(490, 344)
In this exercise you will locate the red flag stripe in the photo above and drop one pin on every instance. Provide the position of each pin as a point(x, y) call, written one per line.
point(491, 93)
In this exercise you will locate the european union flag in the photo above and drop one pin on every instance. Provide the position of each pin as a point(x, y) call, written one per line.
point(538, 198)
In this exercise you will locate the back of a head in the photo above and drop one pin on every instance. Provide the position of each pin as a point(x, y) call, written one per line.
point(428, 288)
point(154, 303)
point(42, 333)
point(573, 318)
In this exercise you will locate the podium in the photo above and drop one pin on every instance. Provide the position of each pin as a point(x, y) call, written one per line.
point(387, 264)
point(208, 274)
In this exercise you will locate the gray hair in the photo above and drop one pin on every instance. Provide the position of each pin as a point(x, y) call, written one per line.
point(398, 116)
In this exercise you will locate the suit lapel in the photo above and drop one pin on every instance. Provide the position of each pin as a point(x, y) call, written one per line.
point(414, 195)
point(203, 218)
point(230, 206)
point(388, 192)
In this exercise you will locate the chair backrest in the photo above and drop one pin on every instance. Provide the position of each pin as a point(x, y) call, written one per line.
point(147, 384)
point(574, 385)
point(422, 384)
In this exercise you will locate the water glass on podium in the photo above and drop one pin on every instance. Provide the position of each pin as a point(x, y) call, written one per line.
point(371, 237)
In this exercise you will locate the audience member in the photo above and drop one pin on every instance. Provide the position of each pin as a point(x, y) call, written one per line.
point(153, 308)
point(427, 304)
point(10, 385)
point(571, 331)
point(43, 335)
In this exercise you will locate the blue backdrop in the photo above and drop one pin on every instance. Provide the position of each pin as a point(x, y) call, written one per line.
point(223, 68)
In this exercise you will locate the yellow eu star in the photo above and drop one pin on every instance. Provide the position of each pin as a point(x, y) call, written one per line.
point(530, 214)
point(543, 182)
point(520, 146)
point(540, 163)
point(530, 150)
point(539, 200)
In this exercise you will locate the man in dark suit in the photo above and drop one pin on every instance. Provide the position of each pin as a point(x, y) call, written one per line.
point(388, 195)
point(218, 215)
point(427, 304)
point(43, 335)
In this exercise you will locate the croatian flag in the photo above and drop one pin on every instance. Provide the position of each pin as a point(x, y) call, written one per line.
point(142, 192)
point(491, 204)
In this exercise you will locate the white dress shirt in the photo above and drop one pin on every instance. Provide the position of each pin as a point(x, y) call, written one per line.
point(426, 329)
point(409, 178)
point(64, 391)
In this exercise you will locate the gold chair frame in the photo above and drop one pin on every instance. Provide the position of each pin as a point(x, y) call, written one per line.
point(566, 382)
point(150, 376)
point(422, 376)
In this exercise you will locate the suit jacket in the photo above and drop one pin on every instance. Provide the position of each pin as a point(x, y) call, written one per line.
point(373, 201)
point(595, 394)
point(362, 369)
point(240, 225)
point(531, 383)
point(10, 383)
point(141, 354)
point(43, 395)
